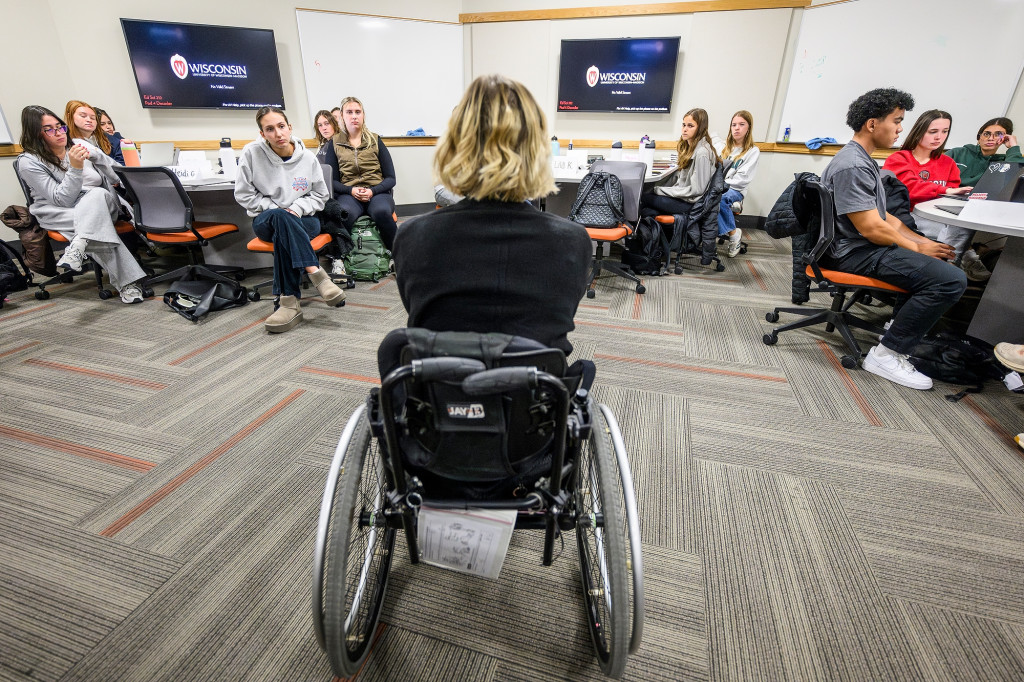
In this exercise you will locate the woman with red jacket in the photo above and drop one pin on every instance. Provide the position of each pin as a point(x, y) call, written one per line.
point(920, 163)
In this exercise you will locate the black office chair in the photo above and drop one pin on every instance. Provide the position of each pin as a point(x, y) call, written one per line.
point(476, 421)
point(836, 284)
point(702, 221)
point(164, 215)
point(631, 177)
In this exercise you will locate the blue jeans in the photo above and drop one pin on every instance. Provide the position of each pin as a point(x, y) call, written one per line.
point(726, 219)
point(290, 235)
point(934, 287)
point(380, 208)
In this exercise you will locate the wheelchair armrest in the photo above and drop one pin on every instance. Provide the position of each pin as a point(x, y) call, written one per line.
point(500, 380)
point(445, 369)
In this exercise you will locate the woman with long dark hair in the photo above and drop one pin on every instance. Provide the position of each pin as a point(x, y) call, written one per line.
point(697, 160)
point(71, 186)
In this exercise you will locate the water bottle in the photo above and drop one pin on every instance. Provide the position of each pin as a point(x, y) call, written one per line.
point(227, 159)
point(130, 153)
point(647, 155)
point(554, 146)
point(570, 145)
point(785, 135)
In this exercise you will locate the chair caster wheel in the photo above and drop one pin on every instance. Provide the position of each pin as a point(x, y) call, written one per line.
point(254, 296)
point(104, 294)
point(772, 316)
point(641, 289)
point(147, 292)
point(678, 270)
point(848, 361)
point(239, 276)
point(743, 249)
point(770, 339)
point(67, 277)
point(42, 295)
point(591, 293)
point(719, 268)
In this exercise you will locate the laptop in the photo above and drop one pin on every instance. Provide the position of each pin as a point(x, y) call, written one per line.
point(158, 153)
point(1002, 181)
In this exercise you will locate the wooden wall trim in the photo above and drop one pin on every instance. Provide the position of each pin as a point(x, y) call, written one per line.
point(630, 10)
point(375, 16)
point(10, 150)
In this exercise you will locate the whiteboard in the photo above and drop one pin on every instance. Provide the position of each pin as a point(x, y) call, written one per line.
point(962, 57)
point(407, 73)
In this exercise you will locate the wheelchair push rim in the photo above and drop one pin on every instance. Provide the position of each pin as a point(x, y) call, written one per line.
point(358, 553)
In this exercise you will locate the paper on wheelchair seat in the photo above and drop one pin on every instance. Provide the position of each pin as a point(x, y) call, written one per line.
point(468, 541)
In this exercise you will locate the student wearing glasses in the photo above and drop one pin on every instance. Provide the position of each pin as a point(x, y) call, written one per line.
point(280, 184)
point(71, 187)
point(973, 159)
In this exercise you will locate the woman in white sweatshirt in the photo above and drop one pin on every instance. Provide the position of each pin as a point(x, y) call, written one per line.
point(696, 163)
point(280, 184)
point(740, 157)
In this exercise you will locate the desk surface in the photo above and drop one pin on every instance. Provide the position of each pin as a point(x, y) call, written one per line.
point(209, 186)
point(930, 210)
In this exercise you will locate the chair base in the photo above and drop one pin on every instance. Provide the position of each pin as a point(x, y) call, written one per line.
point(601, 265)
point(212, 270)
point(838, 317)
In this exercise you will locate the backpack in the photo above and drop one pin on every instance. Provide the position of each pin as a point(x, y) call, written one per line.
point(11, 277)
point(201, 291)
point(644, 249)
point(369, 260)
point(956, 359)
point(35, 244)
point(598, 201)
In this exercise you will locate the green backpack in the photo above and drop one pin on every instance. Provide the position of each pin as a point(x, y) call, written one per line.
point(369, 259)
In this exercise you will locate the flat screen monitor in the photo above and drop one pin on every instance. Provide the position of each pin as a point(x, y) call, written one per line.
point(193, 66)
point(634, 75)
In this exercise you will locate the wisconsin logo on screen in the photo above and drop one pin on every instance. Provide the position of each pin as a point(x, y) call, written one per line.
point(593, 75)
point(179, 66)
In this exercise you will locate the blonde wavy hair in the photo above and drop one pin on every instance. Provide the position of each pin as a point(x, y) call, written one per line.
point(365, 136)
point(748, 139)
point(496, 146)
point(74, 131)
point(686, 148)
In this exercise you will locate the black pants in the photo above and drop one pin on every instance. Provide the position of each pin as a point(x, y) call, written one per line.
point(380, 208)
point(934, 286)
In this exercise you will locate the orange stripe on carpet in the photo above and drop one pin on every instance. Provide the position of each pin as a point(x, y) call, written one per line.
point(78, 450)
point(851, 387)
point(26, 312)
point(131, 381)
point(757, 276)
point(339, 375)
point(182, 478)
point(19, 348)
point(637, 305)
point(990, 422)
point(691, 368)
point(663, 332)
point(381, 627)
point(203, 349)
point(594, 307)
point(384, 282)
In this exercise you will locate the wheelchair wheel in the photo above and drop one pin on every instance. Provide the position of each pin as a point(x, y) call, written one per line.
point(358, 551)
point(602, 548)
point(626, 501)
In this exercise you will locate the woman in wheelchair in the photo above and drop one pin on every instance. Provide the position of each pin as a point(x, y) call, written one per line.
point(466, 419)
point(493, 262)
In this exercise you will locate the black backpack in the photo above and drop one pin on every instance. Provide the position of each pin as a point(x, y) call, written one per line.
point(201, 291)
point(958, 360)
point(14, 275)
point(644, 249)
point(598, 201)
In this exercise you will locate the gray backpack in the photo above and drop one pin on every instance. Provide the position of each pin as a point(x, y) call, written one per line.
point(598, 201)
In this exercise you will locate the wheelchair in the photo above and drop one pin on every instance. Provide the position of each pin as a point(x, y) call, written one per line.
point(467, 421)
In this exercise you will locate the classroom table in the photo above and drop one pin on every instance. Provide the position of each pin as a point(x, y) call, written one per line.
point(1000, 313)
point(215, 203)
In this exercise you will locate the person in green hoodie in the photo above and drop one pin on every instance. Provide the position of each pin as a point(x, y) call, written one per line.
point(973, 160)
point(281, 185)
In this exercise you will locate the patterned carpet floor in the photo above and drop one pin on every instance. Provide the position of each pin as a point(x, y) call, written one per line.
point(160, 484)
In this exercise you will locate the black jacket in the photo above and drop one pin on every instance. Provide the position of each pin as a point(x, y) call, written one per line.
point(493, 266)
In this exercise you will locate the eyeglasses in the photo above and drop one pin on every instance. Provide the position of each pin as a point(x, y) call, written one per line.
point(988, 133)
point(53, 131)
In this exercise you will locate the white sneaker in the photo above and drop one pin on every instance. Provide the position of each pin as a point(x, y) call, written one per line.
point(896, 368)
point(976, 270)
point(131, 293)
point(73, 258)
point(734, 243)
point(338, 268)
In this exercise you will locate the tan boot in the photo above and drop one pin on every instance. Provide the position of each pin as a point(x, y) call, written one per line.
point(332, 295)
point(285, 317)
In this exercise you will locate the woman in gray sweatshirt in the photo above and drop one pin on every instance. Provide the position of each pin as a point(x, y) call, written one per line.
point(696, 163)
point(280, 184)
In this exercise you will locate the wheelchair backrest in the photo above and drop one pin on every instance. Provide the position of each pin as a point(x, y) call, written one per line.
point(442, 430)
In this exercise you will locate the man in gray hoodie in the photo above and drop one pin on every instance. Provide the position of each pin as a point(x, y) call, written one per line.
point(281, 185)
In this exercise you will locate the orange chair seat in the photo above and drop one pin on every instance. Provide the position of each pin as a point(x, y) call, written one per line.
point(847, 279)
point(207, 230)
point(318, 242)
point(665, 219)
point(609, 234)
point(121, 226)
